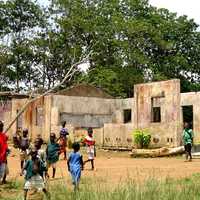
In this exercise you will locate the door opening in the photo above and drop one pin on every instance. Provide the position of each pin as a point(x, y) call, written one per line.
point(188, 115)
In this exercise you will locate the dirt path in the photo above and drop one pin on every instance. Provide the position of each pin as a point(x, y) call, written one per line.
point(115, 167)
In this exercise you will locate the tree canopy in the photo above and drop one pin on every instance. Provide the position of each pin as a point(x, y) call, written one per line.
point(131, 42)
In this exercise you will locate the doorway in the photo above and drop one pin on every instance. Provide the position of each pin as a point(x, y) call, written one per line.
point(187, 112)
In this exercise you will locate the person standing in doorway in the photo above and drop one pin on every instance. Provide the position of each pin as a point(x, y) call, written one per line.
point(188, 141)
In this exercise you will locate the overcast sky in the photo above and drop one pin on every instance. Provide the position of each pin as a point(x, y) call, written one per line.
point(191, 8)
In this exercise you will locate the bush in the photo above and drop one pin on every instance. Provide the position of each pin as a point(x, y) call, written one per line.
point(142, 138)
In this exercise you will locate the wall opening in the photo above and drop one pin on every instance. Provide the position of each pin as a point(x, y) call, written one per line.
point(156, 109)
point(187, 112)
point(127, 116)
point(19, 120)
point(39, 116)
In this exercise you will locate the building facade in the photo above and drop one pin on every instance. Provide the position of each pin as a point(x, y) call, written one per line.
point(158, 107)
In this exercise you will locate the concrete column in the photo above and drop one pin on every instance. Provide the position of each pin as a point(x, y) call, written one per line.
point(47, 116)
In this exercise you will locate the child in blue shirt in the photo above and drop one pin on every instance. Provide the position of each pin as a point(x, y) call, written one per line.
point(75, 165)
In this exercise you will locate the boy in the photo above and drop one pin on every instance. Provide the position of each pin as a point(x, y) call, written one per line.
point(75, 165)
point(188, 140)
point(40, 152)
point(3, 154)
point(52, 151)
point(90, 143)
point(34, 174)
point(39, 140)
point(24, 146)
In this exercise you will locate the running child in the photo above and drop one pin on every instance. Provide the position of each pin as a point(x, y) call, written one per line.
point(52, 151)
point(75, 165)
point(90, 143)
point(34, 179)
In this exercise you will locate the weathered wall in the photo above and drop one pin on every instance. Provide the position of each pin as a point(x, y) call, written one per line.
point(193, 99)
point(5, 112)
point(169, 128)
point(29, 116)
point(84, 106)
point(118, 135)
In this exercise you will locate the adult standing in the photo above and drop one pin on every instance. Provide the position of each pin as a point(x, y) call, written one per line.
point(188, 141)
point(3, 153)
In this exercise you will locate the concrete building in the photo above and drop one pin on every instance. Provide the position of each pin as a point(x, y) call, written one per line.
point(158, 107)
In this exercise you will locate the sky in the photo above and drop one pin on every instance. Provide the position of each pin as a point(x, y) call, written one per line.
point(182, 7)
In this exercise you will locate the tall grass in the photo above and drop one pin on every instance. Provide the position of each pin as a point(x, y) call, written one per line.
point(185, 189)
point(152, 189)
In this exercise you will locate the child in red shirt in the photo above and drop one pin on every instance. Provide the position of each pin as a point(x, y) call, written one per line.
point(90, 143)
point(3, 153)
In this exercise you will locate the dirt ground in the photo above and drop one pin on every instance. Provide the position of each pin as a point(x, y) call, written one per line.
point(116, 167)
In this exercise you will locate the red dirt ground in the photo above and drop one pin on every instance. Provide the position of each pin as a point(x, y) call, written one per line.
point(115, 167)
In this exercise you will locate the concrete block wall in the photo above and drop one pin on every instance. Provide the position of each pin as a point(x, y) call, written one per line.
point(193, 99)
point(169, 127)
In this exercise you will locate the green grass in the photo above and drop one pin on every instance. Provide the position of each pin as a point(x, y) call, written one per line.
point(169, 189)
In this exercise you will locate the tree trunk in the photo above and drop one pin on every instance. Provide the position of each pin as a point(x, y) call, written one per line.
point(146, 153)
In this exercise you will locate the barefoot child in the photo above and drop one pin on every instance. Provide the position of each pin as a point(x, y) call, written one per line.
point(34, 175)
point(53, 150)
point(75, 165)
point(90, 143)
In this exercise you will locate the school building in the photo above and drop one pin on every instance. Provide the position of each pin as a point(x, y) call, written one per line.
point(158, 107)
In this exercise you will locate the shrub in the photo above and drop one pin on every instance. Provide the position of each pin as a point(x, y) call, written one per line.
point(142, 138)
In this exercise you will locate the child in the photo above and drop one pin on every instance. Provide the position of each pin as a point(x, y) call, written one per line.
point(188, 140)
point(52, 151)
point(34, 175)
point(90, 143)
point(3, 153)
point(39, 140)
point(17, 137)
point(24, 146)
point(63, 140)
point(75, 165)
point(41, 152)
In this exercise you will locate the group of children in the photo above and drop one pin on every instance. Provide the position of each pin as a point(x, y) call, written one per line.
point(36, 168)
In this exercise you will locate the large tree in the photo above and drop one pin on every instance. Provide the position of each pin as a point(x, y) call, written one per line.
point(131, 42)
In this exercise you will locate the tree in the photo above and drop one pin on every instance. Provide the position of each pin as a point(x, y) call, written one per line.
point(23, 19)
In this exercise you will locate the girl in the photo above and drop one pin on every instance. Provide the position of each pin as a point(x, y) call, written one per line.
point(90, 143)
point(63, 140)
point(75, 165)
